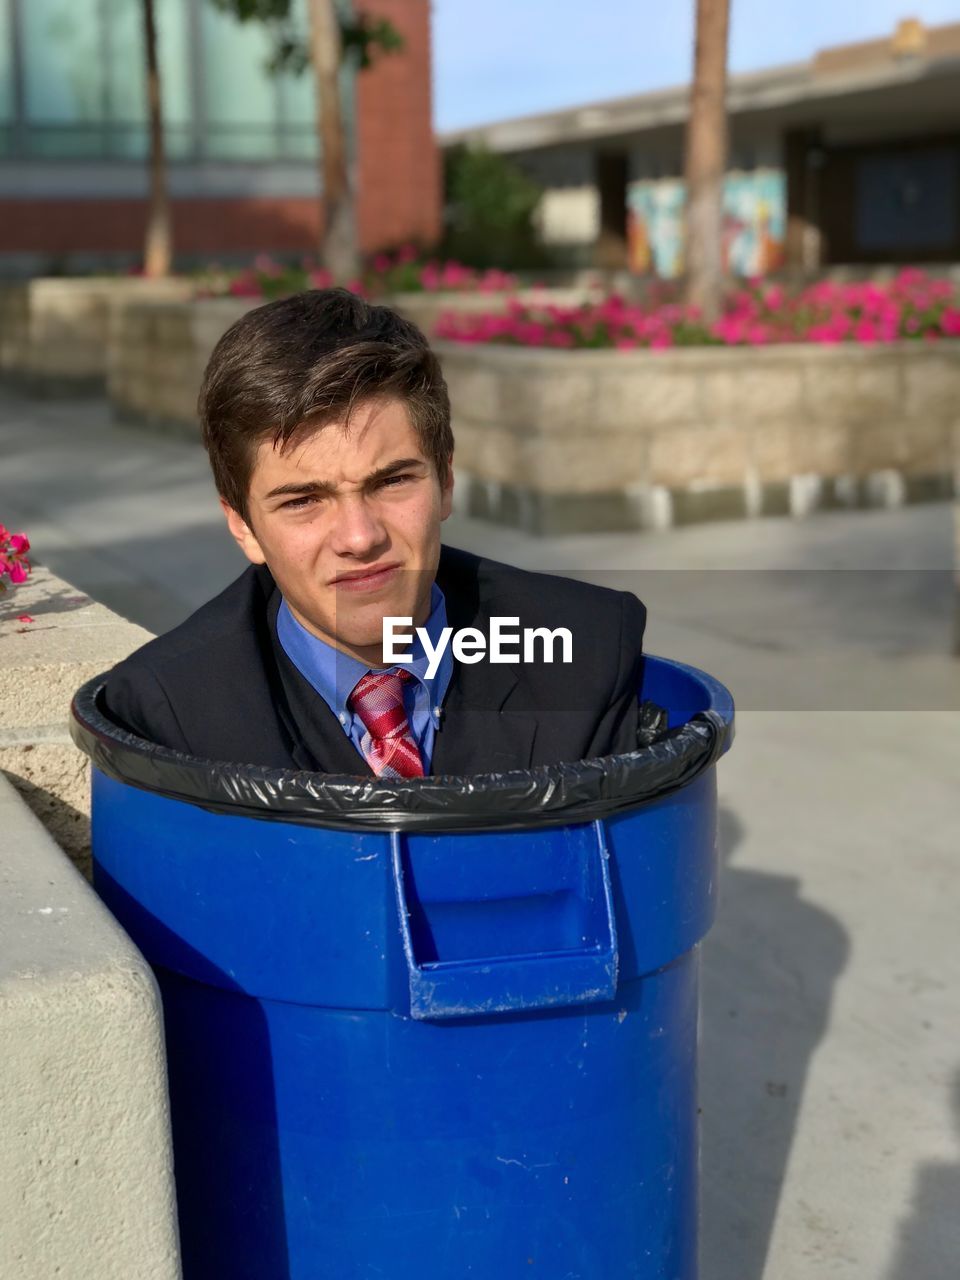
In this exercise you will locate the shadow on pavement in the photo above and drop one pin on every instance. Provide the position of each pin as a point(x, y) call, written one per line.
point(59, 602)
point(928, 1247)
point(769, 968)
point(156, 580)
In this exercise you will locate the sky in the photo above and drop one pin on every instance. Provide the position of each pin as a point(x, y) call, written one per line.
point(494, 59)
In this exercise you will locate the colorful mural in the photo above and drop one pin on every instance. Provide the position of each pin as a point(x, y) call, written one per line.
point(754, 223)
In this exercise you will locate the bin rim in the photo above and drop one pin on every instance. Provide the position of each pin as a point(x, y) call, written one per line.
point(557, 794)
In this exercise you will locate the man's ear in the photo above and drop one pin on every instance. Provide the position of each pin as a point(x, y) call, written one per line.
point(243, 534)
point(446, 491)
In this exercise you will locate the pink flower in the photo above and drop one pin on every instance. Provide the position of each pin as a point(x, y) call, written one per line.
point(19, 543)
point(865, 331)
point(266, 265)
point(754, 315)
point(25, 617)
point(382, 262)
point(18, 571)
point(320, 279)
point(430, 277)
point(245, 287)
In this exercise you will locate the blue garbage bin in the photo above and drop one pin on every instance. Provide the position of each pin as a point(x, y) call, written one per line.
point(436, 1028)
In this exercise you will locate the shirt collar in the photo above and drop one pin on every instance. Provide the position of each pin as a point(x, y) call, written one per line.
point(334, 674)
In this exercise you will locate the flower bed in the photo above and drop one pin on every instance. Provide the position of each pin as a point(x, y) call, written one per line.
point(911, 306)
point(405, 271)
point(13, 557)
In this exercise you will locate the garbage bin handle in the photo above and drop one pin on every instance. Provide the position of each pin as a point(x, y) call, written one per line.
point(508, 983)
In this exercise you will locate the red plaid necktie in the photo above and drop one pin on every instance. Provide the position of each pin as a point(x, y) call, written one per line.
point(388, 745)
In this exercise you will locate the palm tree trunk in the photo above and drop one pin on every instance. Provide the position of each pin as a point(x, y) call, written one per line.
point(706, 159)
point(339, 240)
point(158, 250)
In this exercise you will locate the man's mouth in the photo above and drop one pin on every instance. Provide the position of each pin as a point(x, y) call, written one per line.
point(371, 579)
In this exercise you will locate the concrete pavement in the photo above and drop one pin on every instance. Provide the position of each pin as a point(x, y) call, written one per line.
point(831, 1053)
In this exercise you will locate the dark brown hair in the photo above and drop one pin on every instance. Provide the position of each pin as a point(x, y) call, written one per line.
point(299, 364)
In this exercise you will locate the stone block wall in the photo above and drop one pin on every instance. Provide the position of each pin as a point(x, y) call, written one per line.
point(559, 442)
point(157, 350)
point(157, 354)
point(54, 332)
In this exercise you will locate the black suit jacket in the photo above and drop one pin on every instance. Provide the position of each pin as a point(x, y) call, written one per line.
point(221, 687)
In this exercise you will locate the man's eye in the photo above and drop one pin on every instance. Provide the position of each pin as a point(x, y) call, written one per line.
point(395, 480)
point(296, 503)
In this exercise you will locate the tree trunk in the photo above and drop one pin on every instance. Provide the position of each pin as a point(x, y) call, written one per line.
point(158, 250)
point(706, 159)
point(338, 246)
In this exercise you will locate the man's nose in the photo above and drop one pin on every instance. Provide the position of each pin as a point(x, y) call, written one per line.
point(358, 530)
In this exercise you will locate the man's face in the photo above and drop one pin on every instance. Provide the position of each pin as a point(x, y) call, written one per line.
point(348, 522)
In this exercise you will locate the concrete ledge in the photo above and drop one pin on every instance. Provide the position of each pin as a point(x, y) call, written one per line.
point(86, 1165)
point(44, 661)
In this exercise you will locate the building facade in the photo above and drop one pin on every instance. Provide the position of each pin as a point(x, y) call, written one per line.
point(851, 158)
point(241, 140)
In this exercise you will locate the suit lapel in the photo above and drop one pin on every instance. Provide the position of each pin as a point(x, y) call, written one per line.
point(478, 739)
point(477, 733)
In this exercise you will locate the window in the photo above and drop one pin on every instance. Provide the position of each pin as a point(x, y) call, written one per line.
point(82, 66)
point(64, 84)
point(240, 94)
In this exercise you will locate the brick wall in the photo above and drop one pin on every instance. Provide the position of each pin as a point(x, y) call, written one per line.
point(399, 176)
point(202, 225)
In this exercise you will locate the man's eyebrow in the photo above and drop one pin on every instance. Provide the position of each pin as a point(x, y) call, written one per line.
point(299, 488)
point(392, 468)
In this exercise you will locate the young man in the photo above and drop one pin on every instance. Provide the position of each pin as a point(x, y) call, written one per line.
point(327, 423)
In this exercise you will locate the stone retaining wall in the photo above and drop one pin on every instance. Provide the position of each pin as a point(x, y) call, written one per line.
point(156, 356)
point(54, 332)
point(557, 442)
point(60, 335)
point(157, 350)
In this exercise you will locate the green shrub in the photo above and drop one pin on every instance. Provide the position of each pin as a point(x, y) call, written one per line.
point(490, 205)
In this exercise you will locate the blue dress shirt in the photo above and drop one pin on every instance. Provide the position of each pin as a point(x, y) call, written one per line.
point(334, 675)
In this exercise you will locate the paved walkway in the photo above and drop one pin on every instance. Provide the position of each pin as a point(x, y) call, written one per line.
point(831, 1053)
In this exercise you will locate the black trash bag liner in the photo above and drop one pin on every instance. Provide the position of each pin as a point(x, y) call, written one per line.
point(520, 798)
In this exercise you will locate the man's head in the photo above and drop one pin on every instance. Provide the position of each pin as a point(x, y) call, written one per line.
point(327, 423)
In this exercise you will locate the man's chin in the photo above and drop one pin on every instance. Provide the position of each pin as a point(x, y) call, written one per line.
point(363, 629)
